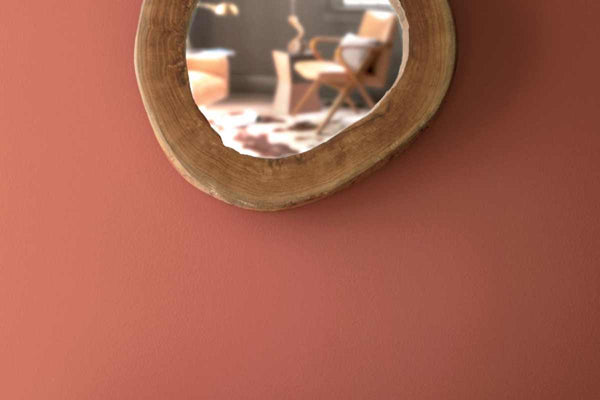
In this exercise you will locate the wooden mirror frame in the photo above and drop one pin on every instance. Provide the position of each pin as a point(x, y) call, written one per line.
point(197, 152)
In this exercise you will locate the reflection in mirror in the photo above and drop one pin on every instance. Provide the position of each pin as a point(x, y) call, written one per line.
point(277, 78)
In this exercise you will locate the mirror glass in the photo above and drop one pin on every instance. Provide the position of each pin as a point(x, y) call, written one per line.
point(276, 78)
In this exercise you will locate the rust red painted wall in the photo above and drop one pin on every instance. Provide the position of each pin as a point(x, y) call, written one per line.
point(467, 269)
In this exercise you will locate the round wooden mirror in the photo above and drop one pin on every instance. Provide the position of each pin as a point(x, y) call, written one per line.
point(199, 153)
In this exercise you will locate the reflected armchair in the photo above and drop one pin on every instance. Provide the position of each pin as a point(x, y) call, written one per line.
point(375, 39)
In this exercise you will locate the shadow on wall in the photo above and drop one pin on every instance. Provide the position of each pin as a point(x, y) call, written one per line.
point(500, 50)
point(504, 52)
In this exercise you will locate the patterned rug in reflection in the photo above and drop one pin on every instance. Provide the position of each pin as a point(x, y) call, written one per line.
point(264, 135)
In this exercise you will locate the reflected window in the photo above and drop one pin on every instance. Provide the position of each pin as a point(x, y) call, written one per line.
point(361, 3)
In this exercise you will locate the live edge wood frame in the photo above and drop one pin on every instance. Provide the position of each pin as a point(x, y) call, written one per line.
point(197, 152)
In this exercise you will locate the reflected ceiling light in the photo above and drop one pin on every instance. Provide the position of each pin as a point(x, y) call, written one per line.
point(224, 9)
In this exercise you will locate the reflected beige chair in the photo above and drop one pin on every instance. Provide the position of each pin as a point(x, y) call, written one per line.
point(337, 74)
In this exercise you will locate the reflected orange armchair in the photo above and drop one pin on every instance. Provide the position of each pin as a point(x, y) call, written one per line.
point(338, 74)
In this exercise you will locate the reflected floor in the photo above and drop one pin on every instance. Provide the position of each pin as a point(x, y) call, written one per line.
point(248, 124)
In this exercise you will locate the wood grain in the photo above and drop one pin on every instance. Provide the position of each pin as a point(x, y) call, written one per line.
point(197, 152)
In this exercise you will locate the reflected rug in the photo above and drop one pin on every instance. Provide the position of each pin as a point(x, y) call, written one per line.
point(269, 136)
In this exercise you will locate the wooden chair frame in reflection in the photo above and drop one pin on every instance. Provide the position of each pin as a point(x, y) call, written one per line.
point(339, 75)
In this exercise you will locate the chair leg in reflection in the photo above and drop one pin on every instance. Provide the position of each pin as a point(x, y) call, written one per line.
point(334, 107)
point(343, 97)
point(307, 96)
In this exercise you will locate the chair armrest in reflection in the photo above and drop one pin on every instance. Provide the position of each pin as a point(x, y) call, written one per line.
point(314, 44)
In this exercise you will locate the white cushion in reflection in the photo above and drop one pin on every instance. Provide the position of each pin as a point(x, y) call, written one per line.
point(355, 49)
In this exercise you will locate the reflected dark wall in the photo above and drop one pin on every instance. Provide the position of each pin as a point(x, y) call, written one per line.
point(262, 27)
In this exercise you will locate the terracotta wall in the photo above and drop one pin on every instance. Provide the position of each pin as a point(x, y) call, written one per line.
point(469, 268)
